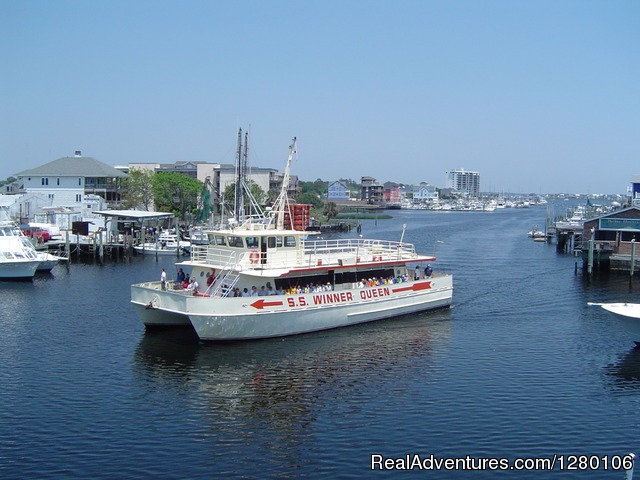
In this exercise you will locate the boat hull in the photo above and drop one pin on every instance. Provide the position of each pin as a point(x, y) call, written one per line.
point(158, 308)
point(19, 270)
point(629, 313)
point(279, 316)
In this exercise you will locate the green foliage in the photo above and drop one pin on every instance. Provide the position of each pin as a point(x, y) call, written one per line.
point(137, 190)
point(319, 187)
point(310, 198)
point(330, 210)
point(7, 181)
point(176, 193)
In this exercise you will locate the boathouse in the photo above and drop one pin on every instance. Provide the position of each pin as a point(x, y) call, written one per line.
point(611, 241)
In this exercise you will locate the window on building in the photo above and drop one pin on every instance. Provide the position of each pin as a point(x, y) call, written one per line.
point(78, 198)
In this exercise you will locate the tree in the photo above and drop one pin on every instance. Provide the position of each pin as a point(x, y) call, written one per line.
point(176, 193)
point(310, 198)
point(256, 191)
point(330, 210)
point(7, 181)
point(137, 190)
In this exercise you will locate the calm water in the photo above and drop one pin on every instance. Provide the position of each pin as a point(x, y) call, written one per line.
point(520, 366)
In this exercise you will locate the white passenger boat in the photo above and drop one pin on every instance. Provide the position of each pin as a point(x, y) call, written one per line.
point(299, 284)
point(167, 244)
point(18, 258)
point(629, 313)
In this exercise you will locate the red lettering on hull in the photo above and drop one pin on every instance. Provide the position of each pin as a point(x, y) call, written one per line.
point(374, 292)
point(336, 297)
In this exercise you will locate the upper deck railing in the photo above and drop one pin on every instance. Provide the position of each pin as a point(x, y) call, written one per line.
point(339, 252)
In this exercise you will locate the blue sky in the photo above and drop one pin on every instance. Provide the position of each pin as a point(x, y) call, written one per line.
point(536, 96)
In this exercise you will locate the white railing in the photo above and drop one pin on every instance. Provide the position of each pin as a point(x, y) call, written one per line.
point(311, 253)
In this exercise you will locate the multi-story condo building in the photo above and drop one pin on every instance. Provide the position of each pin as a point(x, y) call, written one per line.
point(462, 181)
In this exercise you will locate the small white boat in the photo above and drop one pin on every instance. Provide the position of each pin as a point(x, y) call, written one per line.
point(630, 315)
point(48, 261)
point(18, 258)
point(167, 244)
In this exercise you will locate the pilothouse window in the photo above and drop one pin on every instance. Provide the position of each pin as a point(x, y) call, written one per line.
point(235, 242)
point(252, 242)
point(289, 241)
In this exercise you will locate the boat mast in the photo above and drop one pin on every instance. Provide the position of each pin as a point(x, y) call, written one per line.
point(244, 186)
point(239, 204)
point(281, 204)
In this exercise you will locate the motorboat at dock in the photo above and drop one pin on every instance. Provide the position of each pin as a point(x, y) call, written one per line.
point(18, 258)
point(166, 244)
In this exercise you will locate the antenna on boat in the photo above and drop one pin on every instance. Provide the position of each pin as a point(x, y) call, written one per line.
point(404, 228)
point(281, 205)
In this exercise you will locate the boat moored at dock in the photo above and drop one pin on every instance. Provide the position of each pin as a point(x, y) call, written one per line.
point(18, 258)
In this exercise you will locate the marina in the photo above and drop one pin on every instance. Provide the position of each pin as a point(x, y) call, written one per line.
point(523, 367)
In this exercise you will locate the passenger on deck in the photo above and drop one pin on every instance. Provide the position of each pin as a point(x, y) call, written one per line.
point(180, 278)
point(428, 271)
point(193, 286)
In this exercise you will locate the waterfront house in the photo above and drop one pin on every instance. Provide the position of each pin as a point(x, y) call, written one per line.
point(337, 192)
point(611, 239)
point(426, 193)
point(76, 184)
point(67, 180)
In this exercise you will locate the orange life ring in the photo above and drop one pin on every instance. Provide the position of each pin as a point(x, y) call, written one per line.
point(254, 256)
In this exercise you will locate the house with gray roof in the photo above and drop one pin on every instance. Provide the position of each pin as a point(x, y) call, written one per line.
point(66, 181)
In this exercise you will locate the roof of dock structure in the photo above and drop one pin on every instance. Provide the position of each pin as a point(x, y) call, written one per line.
point(137, 215)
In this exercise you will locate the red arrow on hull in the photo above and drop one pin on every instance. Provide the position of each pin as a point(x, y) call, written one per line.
point(415, 287)
point(260, 304)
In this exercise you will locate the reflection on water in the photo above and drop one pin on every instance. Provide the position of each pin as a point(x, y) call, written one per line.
point(279, 385)
point(625, 374)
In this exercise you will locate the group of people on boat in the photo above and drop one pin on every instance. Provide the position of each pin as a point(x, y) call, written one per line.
point(184, 281)
point(428, 271)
